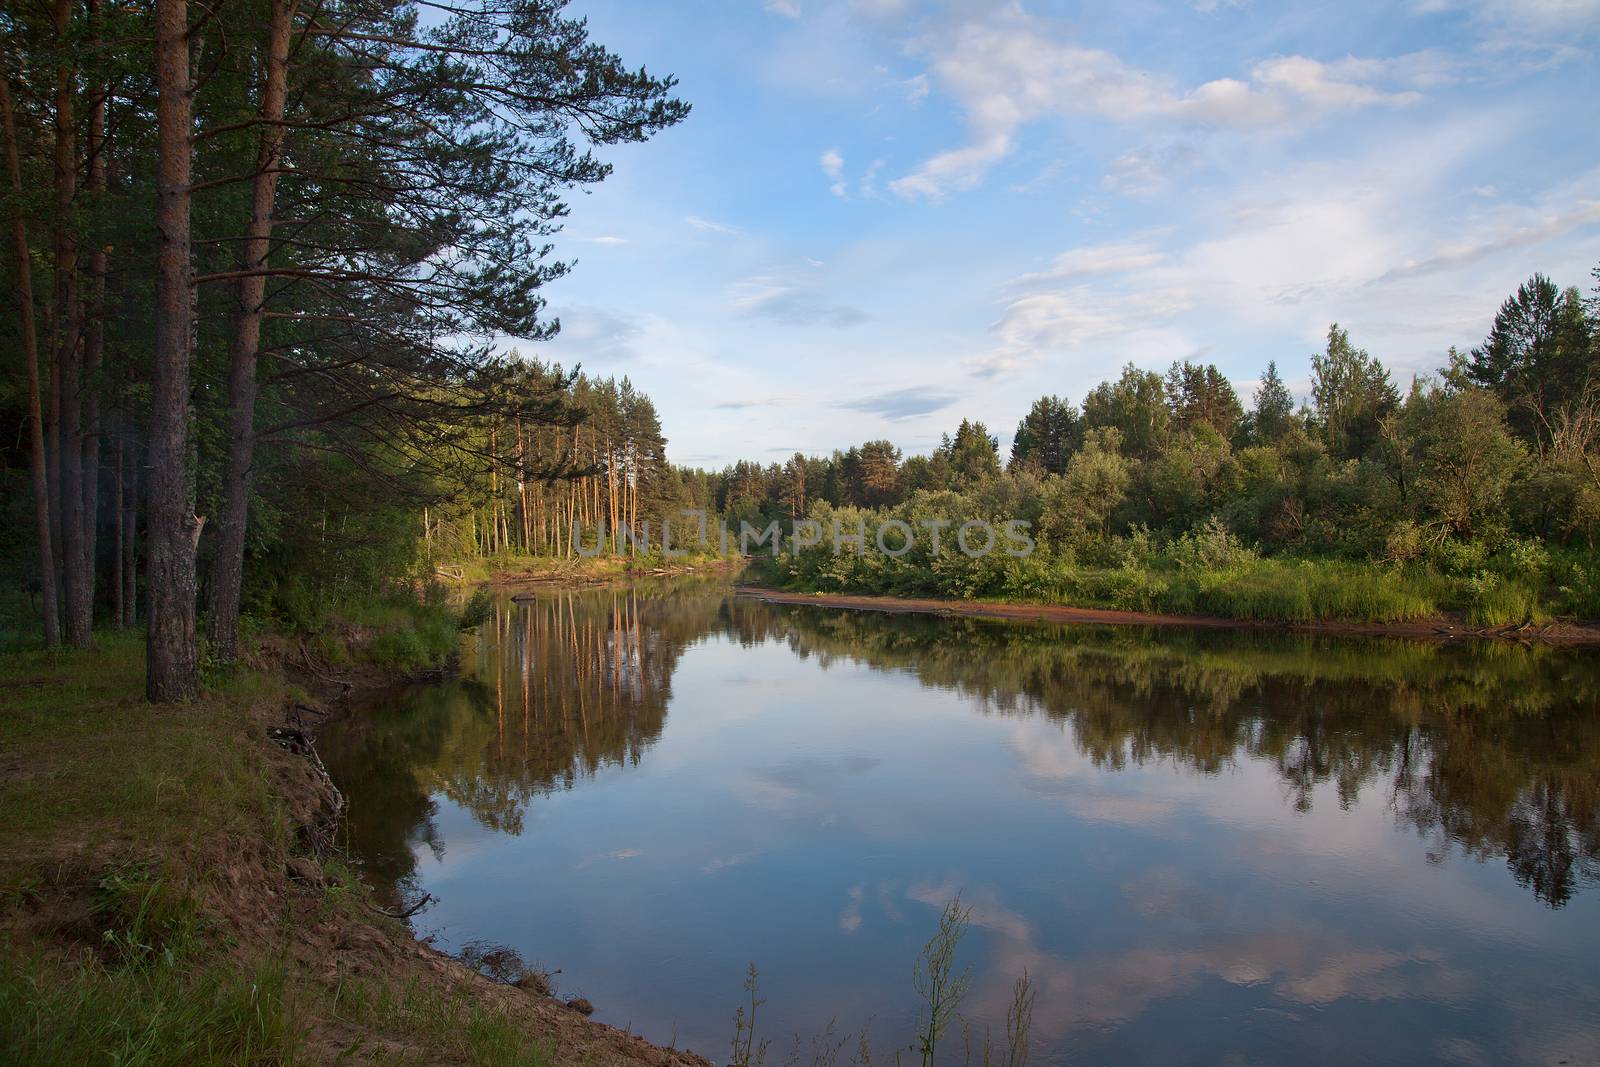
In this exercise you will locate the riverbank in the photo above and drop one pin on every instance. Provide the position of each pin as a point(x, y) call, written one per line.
point(170, 892)
point(1439, 628)
point(530, 572)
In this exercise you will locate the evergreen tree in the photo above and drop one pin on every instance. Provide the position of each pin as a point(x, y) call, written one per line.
point(1202, 396)
point(973, 454)
point(1273, 412)
point(1537, 355)
point(1047, 436)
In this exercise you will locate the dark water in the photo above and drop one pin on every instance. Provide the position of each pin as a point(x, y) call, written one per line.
point(1202, 847)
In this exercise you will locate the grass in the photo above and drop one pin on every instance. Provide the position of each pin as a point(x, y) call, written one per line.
point(88, 760)
point(1252, 588)
point(453, 1019)
point(403, 633)
point(179, 1008)
point(145, 913)
point(111, 802)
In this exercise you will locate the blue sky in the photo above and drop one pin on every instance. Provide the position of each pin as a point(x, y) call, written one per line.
point(883, 216)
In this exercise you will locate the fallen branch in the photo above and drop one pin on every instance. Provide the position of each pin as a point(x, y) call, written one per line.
point(427, 898)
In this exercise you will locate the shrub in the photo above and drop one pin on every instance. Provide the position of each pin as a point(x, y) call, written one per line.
point(1212, 547)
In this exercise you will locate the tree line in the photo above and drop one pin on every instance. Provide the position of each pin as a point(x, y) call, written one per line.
point(553, 487)
point(262, 251)
point(1502, 442)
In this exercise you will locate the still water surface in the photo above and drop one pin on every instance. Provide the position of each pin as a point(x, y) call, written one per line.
point(1203, 847)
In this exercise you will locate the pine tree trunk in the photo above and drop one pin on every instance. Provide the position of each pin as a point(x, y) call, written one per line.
point(94, 340)
point(38, 463)
point(121, 613)
point(227, 570)
point(69, 360)
point(130, 537)
point(170, 523)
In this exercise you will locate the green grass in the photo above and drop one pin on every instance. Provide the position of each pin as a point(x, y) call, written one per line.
point(453, 1020)
point(89, 761)
point(177, 1008)
point(399, 632)
point(126, 934)
point(1250, 588)
point(1502, 602)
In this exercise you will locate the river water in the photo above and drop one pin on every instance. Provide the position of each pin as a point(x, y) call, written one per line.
point(1200, 846)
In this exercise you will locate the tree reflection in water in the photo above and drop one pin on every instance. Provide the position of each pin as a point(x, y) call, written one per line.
point(1490, 749)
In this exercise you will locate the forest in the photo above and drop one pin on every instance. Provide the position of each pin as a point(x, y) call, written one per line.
point(265, 256)
point(1473, 489)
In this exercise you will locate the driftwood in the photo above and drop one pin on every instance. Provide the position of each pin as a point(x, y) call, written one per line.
point(427, 898)
point(1524, 632)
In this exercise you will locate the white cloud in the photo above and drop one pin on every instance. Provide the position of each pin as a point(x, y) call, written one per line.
point(1088, 260)
point(792, 298)
point(833, 166)
point(1081, 321)
point(1360, 241)
point(880, 8)
point(1012, 69)
point(712, 226)
point(607, 239)
point(1144, 172)
point(1572, 15)
point(789, 9)
point(1520, 227)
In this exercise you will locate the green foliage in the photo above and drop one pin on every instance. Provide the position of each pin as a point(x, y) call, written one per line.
point(1047, 436)
point(411, 637)
point(1212, 547)
point(1273, 412)
point(1351, 392)
point(176, 1006)
point(477, 608)
point(1135, 405)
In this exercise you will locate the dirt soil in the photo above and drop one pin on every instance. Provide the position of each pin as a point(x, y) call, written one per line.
point(1443, 628)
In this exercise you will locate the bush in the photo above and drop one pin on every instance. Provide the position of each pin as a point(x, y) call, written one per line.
point(1213, 547)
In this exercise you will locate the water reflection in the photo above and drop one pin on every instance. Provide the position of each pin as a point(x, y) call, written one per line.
point(552, 689)
point(1197, 843)
point(1493, 749)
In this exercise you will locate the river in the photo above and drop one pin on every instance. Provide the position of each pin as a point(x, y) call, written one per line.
point(1200, 846)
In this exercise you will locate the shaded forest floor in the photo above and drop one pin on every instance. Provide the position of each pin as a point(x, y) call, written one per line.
point(168, 891)
point(1443, 627)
